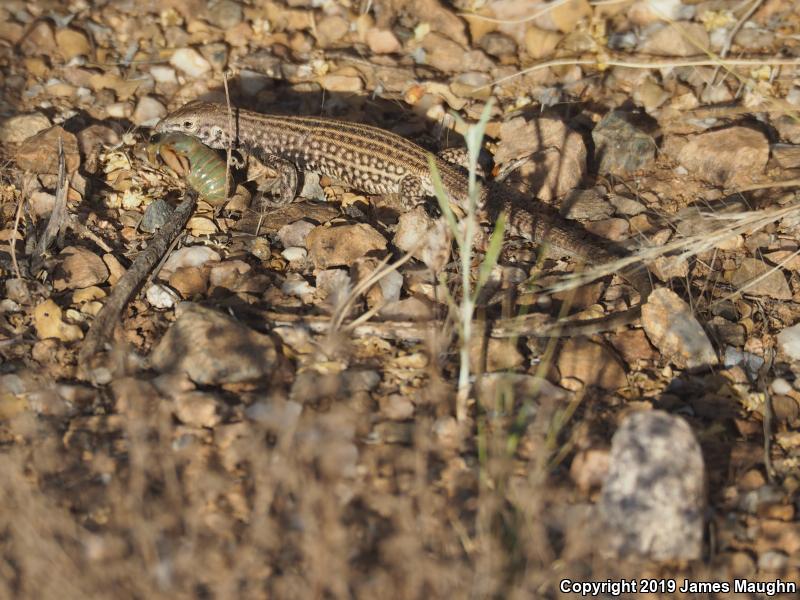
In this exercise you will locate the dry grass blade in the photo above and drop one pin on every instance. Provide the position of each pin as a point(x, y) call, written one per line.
point(15, 231)
point(546, 9)
point(603, 62)
point(731, 225)
point(58, 216)
point(381, 271)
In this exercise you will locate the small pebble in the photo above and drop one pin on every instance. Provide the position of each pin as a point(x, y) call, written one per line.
point(190, 62)
point(296, 285)
point(295, 234)
point(188, 256)
point(781, 386)
point(161, 296)
point(148, 112)
point(155, 216)
point(295, 254)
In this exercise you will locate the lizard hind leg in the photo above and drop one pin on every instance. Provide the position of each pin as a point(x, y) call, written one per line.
point(411, 192)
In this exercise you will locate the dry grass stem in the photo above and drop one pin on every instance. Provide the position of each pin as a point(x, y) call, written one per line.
point(603, 62)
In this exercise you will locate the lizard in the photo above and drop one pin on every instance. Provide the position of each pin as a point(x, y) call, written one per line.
point(376, 161)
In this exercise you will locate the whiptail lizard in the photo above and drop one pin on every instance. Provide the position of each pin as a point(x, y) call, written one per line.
point(376, 161)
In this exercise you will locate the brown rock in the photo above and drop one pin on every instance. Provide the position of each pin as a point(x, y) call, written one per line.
point(198, 409)
point(397, 407)
point(228, 274)
point(331, 29)
point(565, 15)
point(667, 267)
point(499, 45)
point(592, 364)
point(727, 157)
point(72, 43)
point(441, 19)
point(414, 308)
point(47, 320)
point(633, 346)
point(787, 155)
point(540, 43)
point(589, 469)
point(189, 281)
point(21, 127)
point(79, 268)
point(788, 128)
point(148, 111)
point(338, 82)
point(382, 41)
point(38, 67)
point(428, 239)
point(577, 298)
point(674, 330)
point(444, 54)
point(115, 268)
point(472, 85)
point(757, 278)
point(213, 348)
point(500, 355)
point(39, 154)
point(188, 256)
point(11, 32)
point(612, 229)
point(337, 246)
point(225, 14)
point(677, 39)
point(41, 203)
point(40, 40)
point(561, 154)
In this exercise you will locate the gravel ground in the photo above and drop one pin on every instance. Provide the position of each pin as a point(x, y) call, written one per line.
point(269, 418)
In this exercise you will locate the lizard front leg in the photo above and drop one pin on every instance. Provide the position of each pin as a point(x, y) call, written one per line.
point(282, 188)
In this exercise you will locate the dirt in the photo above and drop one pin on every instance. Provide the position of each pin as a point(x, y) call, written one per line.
point(278, 412)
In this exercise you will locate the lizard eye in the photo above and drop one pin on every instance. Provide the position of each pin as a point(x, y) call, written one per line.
point(188, 124)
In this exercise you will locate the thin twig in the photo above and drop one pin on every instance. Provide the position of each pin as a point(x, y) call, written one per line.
point(127, 285)
point(726, 47)
point(769, 184)
point(605, 62)
point(763, 386)
point(83, 231)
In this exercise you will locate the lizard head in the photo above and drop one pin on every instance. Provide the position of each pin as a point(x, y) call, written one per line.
point(205, 121)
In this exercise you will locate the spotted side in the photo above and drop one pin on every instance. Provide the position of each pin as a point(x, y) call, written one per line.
point(366, 158)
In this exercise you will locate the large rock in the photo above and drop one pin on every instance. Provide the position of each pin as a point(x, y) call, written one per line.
point(654, 495)
point(726, 157)
point(338, 246)
point(672, 327)
point(213, 348)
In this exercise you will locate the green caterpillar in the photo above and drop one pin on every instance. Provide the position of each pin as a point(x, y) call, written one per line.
point(203, 167)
